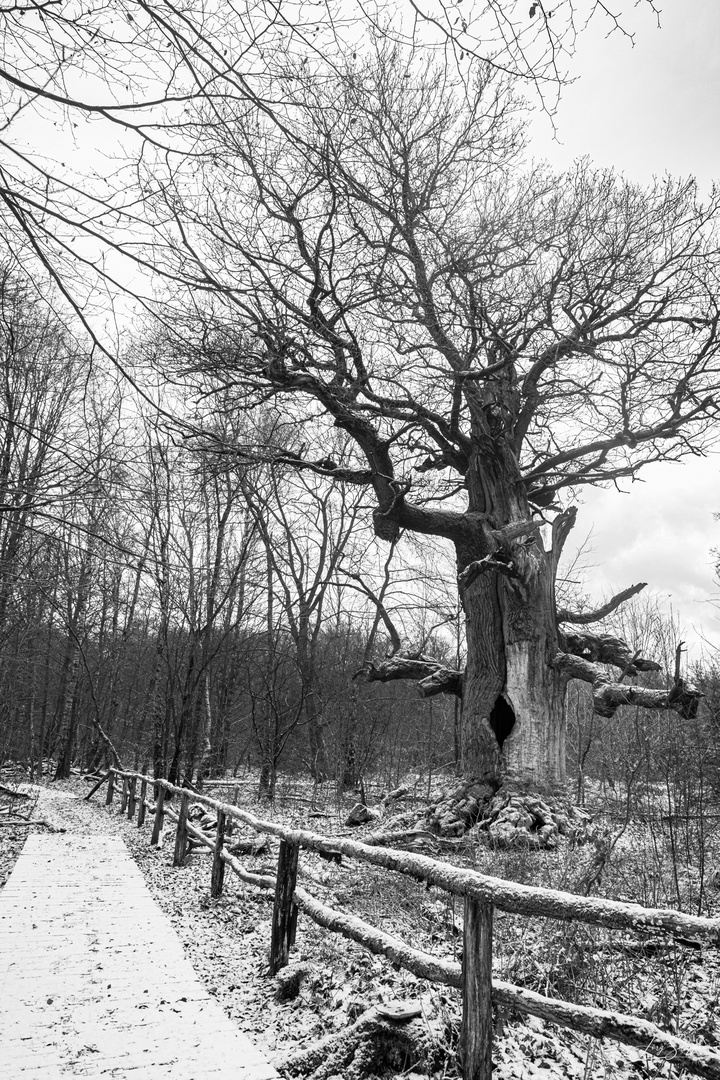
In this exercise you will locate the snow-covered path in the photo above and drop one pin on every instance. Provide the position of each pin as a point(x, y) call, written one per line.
point(95, 982)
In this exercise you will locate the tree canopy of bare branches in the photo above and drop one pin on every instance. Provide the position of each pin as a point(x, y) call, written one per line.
point(491, 337)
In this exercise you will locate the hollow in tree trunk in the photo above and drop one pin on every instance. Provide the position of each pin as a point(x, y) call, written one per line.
point(520, 657)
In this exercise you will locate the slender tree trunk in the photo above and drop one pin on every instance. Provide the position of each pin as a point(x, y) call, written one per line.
point(187, 710)
point(312, 715)
point(204, 735)
point(268, 776)
point(69, 720)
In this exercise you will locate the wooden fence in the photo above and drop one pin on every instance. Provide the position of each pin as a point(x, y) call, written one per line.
point(481, 894)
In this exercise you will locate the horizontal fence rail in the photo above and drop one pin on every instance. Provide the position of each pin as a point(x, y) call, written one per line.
point(481, 894)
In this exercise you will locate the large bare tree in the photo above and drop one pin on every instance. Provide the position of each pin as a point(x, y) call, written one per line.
point(82, 83)
point(491, 338)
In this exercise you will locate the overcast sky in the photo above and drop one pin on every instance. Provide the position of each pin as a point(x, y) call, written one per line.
point(647, 109)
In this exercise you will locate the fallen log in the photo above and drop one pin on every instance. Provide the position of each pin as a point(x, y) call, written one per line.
point(259, 845)
point(20, 822)
point(392, 796)
point(646, 1036)
point(603, 1024)
point(377, 941)
point(13, 793)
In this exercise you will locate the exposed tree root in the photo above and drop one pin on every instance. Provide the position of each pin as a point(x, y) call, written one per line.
point(461, 807)
point(525, 819)
point(370, 1045)
point(505, 818)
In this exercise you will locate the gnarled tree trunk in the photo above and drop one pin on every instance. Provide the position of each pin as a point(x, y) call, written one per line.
point(513, 699)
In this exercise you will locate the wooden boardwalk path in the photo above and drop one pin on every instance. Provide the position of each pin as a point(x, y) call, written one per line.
point(93, 979)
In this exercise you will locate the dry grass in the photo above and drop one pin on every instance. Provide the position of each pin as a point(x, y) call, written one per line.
point(227, 940)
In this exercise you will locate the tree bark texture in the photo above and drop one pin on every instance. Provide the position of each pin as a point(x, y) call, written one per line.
point(181, 833)
point(218, 867)
point(513, 715)
point(370, 1046)
point(285, 909)
point(159, 819)
point(477, 1023)
point(512, 725)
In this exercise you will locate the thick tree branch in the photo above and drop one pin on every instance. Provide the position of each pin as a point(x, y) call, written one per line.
point(393, 512)
point(608, 696)
point(497, 563)
point(607, 649)
point(432, 676)
point(561, 528)
point(564, 615)
point(442, 681)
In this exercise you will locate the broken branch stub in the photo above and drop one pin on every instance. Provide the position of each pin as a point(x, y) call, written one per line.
point(606, 649)
point(443, 681)
point(432, 676)
point(514, 530)
point(498, 563)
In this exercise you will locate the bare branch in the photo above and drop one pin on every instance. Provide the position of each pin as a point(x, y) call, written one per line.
point(561, 528)
point(564, 615)
point(395, 639)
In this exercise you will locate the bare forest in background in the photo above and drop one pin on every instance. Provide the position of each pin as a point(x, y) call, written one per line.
point(191, 617)
point(197, 618)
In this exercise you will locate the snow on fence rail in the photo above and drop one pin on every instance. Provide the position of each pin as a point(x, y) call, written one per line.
point(481, 894)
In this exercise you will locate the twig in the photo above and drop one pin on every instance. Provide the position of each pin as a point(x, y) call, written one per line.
point(24, 821)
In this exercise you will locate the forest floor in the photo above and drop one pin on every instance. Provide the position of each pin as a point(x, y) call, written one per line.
point(227, 941)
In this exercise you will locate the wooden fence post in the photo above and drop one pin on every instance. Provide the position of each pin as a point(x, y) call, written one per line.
point(111, 788)
point(124, 797)
point(95, 787)
point(285, 910)
point(218, 866)
point(476, 1034)
point(131, 797)
point(142, 807)
point(230, 823)
point(181, 842)
point(159, 817)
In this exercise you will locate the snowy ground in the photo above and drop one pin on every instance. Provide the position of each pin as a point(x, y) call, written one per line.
point(227, 941)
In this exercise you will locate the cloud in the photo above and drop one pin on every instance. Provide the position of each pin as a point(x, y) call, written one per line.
point(662, 531)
